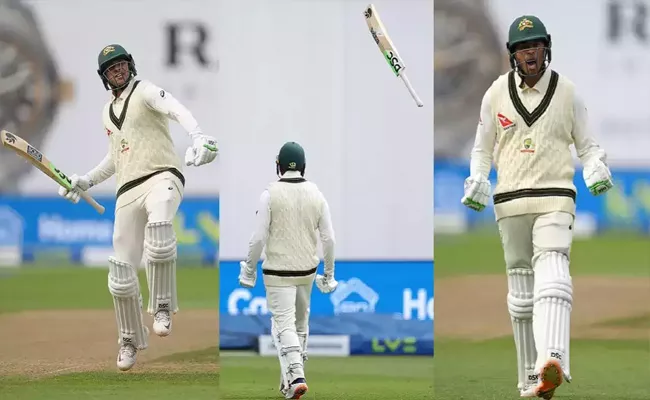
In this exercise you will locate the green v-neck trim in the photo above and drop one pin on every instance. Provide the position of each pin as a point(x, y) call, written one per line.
point(118, 122)
point(531, 117)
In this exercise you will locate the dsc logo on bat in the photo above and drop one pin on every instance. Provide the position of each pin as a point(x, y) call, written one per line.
point(394, 61)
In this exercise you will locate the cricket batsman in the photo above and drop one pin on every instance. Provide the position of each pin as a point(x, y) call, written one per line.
point(292, 214)
point(149, 191)
point(529, 118)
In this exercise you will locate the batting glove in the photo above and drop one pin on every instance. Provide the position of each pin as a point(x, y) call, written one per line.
point(326, 284)
point(247, 275)
point(202, 151)
point(598, 177)
point(477, 193)
point(78, 184)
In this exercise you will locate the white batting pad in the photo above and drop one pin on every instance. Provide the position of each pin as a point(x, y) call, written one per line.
point(520, 306)
point(281, 301)
point(284, 367)
point(552, 309)
point(291, 352)
point(302, 338)
point(123, 285)
point(160, 252)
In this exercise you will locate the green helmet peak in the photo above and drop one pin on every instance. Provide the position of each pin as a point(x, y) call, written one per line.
point(527, 28)
point(291, 158)
point(109, 56)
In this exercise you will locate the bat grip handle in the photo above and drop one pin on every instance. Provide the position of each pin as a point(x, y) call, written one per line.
point(415, 96)
point(98, 207)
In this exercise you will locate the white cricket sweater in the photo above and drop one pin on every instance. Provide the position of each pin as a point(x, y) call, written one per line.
point(528, 132)
point(141, 150)
point(293, 215)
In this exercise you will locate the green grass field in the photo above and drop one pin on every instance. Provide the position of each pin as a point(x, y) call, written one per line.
point(601, 369)
point(375, 377)
point(605, 369)
point(618, 255)
point(66, 290)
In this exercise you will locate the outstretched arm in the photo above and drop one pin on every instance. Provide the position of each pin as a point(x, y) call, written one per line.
point(163, 102)
point(204, 148)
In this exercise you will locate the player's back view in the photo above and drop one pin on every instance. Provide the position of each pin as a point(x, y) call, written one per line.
point(293, 214)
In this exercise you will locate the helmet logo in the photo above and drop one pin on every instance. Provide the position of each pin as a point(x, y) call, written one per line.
point(525, 24)
point(108, 49)
point(292, 165)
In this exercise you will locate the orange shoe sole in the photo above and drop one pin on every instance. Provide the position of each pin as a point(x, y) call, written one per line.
point(551, 378)
point(300, 391)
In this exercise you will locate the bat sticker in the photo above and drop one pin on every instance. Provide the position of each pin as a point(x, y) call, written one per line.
point(35, 154)
point(11, 139)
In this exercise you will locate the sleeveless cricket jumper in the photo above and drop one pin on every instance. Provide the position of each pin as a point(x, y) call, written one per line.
point(292, 247)
point(141, 145)
point(533, 159)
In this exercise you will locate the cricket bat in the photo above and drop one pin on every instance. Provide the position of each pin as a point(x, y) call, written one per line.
point(31, 154)
point(388, 49)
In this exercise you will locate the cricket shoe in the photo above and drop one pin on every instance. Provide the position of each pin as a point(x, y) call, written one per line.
point(550, 378)
point(531, 392)
point(529, 389)
point(126, 357)
point(162, 323)
point(297, 389)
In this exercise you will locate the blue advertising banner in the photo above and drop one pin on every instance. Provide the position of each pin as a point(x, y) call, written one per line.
point(402, 289)
point(40, 224)
point(626, 206)
point(384, 307)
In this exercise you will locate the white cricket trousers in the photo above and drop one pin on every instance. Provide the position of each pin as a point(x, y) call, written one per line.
point(540, 289)
point(526, 237)
point(289, 307)
point(159, 204)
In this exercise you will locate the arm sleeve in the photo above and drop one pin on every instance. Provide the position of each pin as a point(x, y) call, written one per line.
point(261, 234)
point(586, 146)
point(163, 102)
point(327, 238)
point(103, 171)
point(486, 134)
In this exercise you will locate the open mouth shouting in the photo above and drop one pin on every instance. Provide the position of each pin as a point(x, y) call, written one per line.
point(531, 64)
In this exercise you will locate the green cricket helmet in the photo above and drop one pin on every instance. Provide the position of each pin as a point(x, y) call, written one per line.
point(528, 28)
point(290, 158)
point(110, 55)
